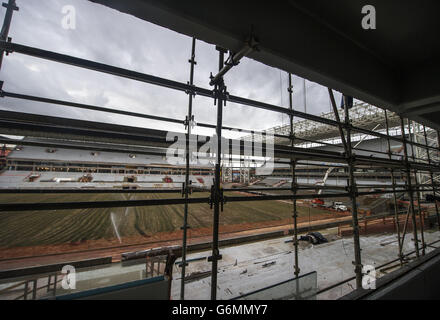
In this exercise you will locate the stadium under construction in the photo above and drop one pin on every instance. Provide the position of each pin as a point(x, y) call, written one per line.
point(343, 194)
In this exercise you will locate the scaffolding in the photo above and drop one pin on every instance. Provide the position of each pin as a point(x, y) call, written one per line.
point(421, 167)
point(363, 115)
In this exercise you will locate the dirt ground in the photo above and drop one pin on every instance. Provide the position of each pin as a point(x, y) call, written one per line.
point(82, 226)
point(55, 253)
point(40, 255)
point(35, 237)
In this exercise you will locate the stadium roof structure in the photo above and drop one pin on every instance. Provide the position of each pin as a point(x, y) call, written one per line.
point(84, 156)
point(362, 115)
point(69, 133)
point(391, 66)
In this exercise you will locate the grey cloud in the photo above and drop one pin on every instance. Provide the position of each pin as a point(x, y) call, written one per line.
point(107, 36)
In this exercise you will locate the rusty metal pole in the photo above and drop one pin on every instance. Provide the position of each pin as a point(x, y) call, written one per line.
point(410, 191)
point(417, 189)
point(294, 184)
point(351, 185)
point(188, 124)
point(393, 181)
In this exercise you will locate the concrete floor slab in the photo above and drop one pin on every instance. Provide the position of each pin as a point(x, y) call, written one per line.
point(241, 270)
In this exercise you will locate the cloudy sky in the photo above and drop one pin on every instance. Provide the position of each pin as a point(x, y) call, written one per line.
point(110, 37)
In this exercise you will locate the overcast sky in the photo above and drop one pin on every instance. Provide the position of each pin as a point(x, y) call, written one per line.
point(110, 37)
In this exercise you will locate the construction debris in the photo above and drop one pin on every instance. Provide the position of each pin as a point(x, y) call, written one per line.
point(269, 264)
point(314, 238)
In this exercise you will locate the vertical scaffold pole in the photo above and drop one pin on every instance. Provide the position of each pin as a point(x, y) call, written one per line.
point(434, 189)
point(294, 183)
point(409, 187)
point(438, 157)
point(353, 192)
point(419, 207)
point(10, 8)
point(351, 185)
point(393, 181)
point(188, 124)
point(217, 197)
point(438, 143)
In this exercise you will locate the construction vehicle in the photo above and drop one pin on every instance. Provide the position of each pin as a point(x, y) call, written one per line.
point(339, 206)
point(318, 201)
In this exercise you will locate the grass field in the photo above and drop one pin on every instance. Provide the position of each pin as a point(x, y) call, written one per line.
point(63, 226)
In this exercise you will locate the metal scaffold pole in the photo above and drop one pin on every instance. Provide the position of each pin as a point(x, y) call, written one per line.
point(431, 175)
point(351, 185)
point(409, 188)
point(393, 181)
point(438, 144)
point(419, 207)
point(216, 194)
point(294, 183)
point(352, 191)
point(10, 8)
point(188, 124)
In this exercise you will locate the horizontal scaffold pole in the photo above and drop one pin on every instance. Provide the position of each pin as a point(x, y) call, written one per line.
point(13, 207)
point(134, 75)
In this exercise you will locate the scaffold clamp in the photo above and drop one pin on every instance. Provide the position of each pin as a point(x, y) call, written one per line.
point(220, 92)
point(211, 200)
point(14, 6)
point(216, 197)
point(184, 188)
point(357, 267)
point(352, 189)
point(216, 256)
point(191, 122)
point(222, 200)
point(8, 51)
point(191, 89)
point(292, 137)
point(230, 61)
point(192, 61)
point(297, 271)
point(180, 264)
